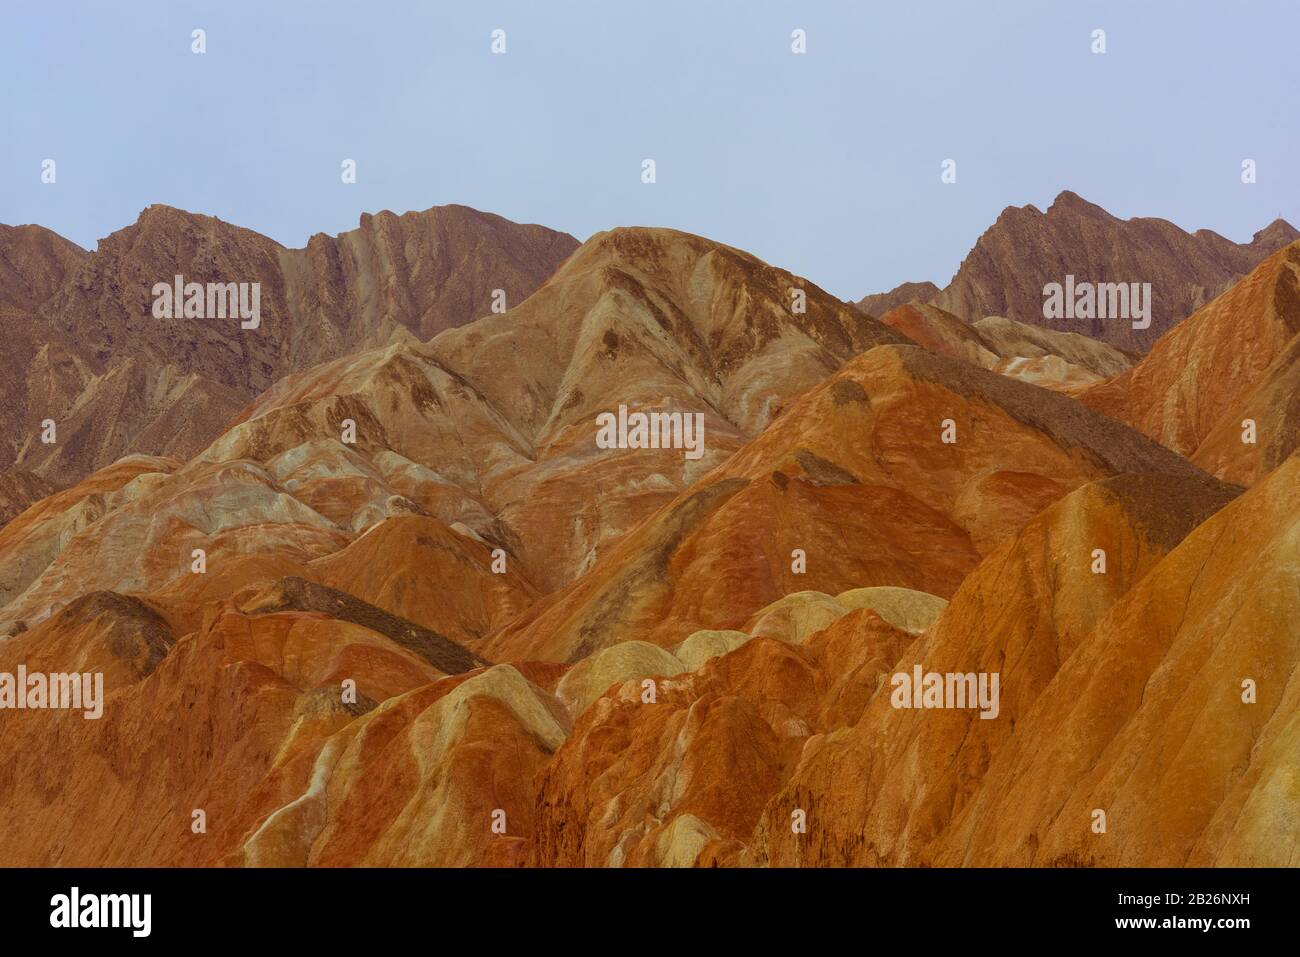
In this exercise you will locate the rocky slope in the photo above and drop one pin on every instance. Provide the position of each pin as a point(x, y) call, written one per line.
point(18, 490)
point(1006, 271)
point(36, 363)
point(91, 355)
point(1061, 361)
point(34, 263)
point(857, 476)
point(1235, 359)
point(650, 319)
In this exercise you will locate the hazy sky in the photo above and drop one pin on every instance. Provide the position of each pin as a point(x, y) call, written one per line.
point(826, 163)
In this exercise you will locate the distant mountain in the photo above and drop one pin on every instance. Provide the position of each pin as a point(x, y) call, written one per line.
point(34, 262)
point(87, 351)
point(881, 303)
point(1026, 249)
point(1061, 361)
point(36, 364)
point(425, 272)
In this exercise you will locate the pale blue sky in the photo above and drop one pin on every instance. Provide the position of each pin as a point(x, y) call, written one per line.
point(826, 164)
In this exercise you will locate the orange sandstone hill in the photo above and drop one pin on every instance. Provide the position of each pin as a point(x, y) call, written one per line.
point(858, 478)
point(1140, 712)
point(1028, 608)
point(1237, 359)
point(1004, 274)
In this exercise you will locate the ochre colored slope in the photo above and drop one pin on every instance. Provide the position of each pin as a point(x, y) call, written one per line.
point(1147, 722)
point(887, 790)
point(1234, 359)
point(857, 476)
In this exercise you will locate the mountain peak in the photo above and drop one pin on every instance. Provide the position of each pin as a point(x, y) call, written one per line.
point(1275, 235)
point(1007, 270)
point(162, 213)
point(880, 303)
point(1068, 201)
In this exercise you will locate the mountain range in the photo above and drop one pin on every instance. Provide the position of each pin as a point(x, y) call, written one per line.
point(367, 586)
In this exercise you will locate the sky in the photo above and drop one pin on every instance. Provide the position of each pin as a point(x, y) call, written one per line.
point(826, 163)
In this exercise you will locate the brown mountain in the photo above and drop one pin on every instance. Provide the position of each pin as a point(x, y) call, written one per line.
point(425, 272)
point(117, 380)
point(36, 362)
point(881, 303)
point(1026, 249)
point(1062, 361)
point(34, 262)
point(18, 490)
